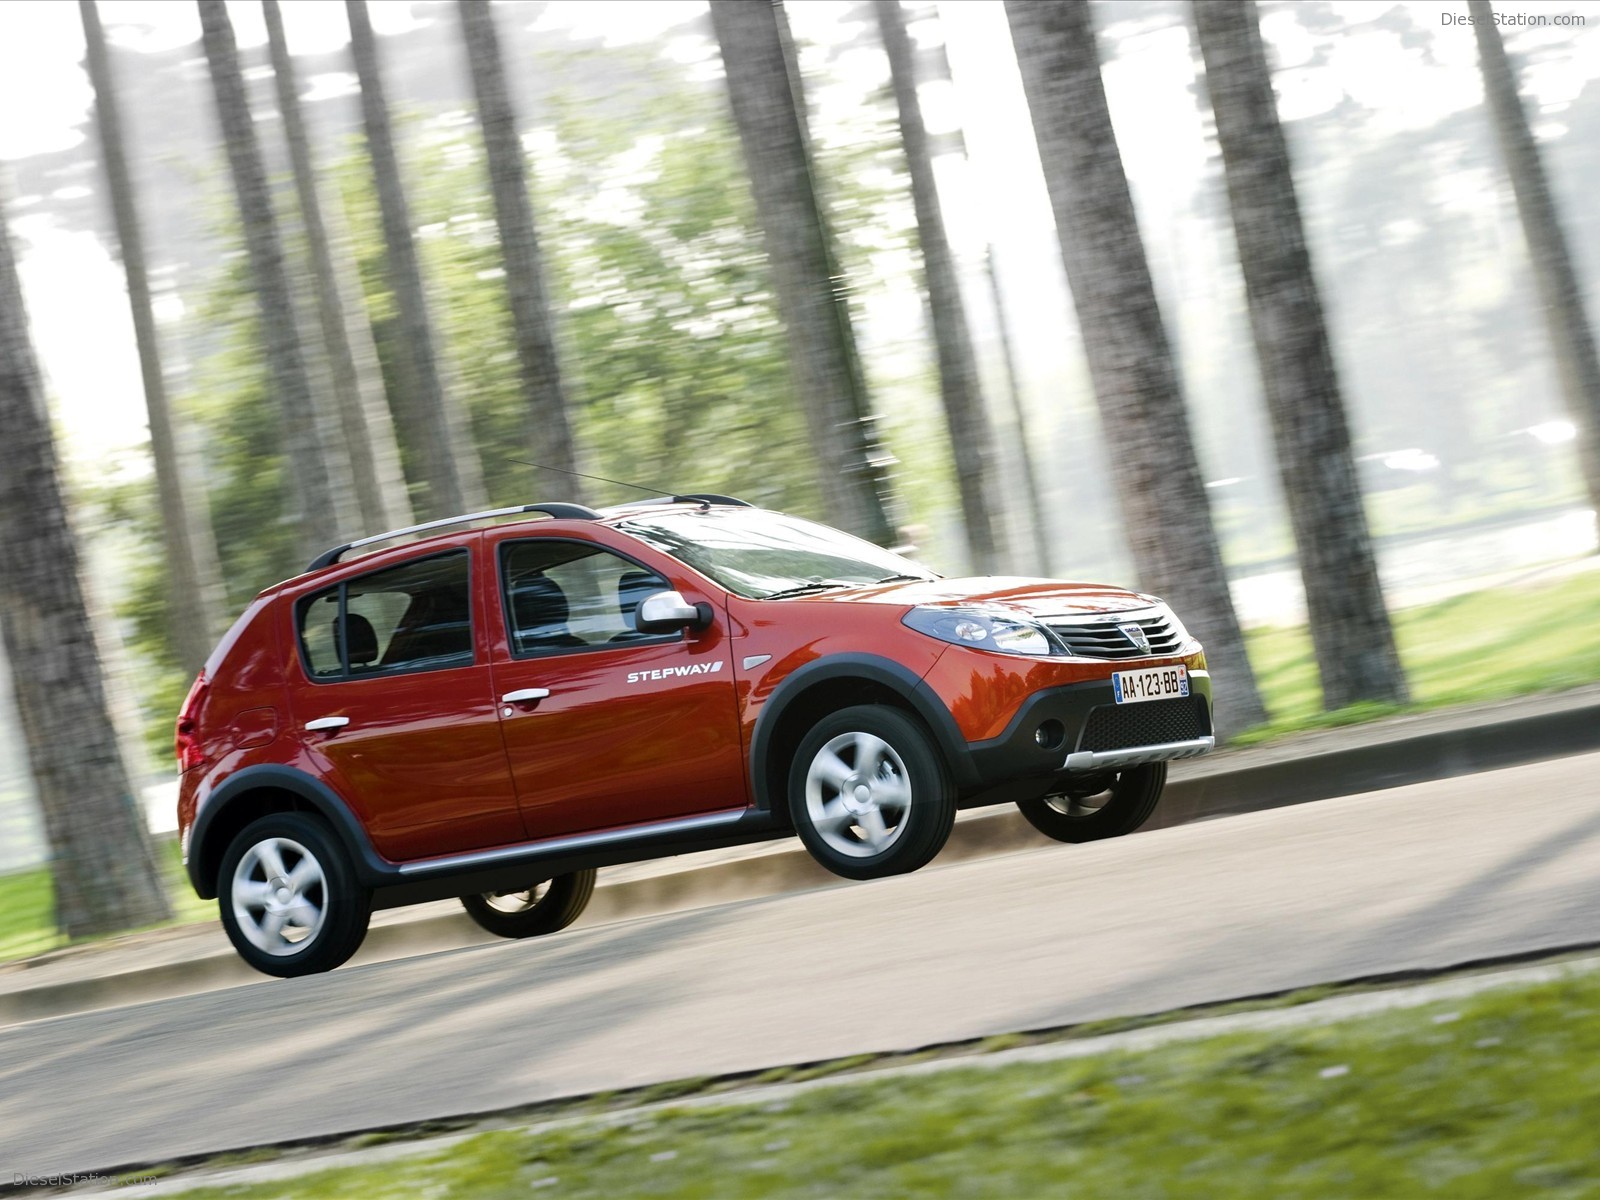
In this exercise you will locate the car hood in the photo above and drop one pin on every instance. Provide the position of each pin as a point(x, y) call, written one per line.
point(1036, 597)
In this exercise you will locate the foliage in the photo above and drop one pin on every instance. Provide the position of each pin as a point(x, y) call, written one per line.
point(1487, 1097)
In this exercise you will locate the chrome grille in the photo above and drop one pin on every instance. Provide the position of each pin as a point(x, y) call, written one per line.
point(1100, 637)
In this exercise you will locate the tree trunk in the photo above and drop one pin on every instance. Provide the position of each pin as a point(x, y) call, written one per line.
point(1146, 427)
point(320, 514)
point(364, 417)
point(549, 433)
point(1350, 628)
point(1560, 294)
point(764, 93)
point(187, 539)
point(1019, 421)
point(105, 875)
point(434, 424)
point(971, 435)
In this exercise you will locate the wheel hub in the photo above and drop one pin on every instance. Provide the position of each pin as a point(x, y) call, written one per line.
point(857, 797)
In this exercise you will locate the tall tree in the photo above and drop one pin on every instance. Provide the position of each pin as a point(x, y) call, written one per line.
point(1560, 293)
point(105, 874)
point(769, 111)
point(1350, 627)
point(187, 539)
point(1021, 446)
point(971, 435)
point(364, 416)
point(434, 424)
point(1158, 483)
point(321, 516)
point(549, 433)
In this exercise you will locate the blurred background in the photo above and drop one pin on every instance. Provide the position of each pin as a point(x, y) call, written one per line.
point(664, 315)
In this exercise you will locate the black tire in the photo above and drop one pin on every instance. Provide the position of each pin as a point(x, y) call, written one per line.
point(1118, 803)
point(285, 917)
point(913, 790)
point(544, 907)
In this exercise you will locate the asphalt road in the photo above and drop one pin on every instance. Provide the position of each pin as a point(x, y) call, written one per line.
point(1412, 878)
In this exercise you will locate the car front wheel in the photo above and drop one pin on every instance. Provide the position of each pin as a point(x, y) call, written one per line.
point(289, 898)
point(1104, 805)
point(545, 907)
point(869, 794)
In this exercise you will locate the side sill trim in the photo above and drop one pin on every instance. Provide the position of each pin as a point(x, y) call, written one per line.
point(1133, 756)
point(580, 841)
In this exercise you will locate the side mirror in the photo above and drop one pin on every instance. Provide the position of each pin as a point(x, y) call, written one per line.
point(663, 612)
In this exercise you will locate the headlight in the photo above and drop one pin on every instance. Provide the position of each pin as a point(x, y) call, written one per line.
point(982, 630)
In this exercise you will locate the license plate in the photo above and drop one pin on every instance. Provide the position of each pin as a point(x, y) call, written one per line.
point(1153, 683)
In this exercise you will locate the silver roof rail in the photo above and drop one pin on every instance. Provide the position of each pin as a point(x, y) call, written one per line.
point(558, 511)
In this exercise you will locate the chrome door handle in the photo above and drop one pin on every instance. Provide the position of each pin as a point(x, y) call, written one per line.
point(524, 695)
point(324, 723)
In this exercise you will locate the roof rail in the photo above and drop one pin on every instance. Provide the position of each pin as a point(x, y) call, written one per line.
point(557, 510)
point(702, 498)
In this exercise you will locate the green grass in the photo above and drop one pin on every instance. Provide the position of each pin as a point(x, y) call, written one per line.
point(1487, 645)
point(1490, 1096)
point(27, 905)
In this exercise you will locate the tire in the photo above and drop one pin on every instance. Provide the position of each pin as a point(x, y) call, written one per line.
point(869, 794)
point(315, 918)
point(545, 907)
point(1119, 804)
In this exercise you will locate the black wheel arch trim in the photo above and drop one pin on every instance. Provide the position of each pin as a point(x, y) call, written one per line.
point(371, 868)
point(897, 677)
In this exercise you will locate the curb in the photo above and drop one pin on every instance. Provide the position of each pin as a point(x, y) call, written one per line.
point(1305, 769)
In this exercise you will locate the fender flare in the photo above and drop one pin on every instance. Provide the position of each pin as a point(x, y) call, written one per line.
point(897, 677)
point(371, 868)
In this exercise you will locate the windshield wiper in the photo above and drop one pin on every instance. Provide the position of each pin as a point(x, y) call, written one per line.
point(816, 585)
point(905, 578)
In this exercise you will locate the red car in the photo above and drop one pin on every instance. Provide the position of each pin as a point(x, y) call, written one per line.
point(492, 713)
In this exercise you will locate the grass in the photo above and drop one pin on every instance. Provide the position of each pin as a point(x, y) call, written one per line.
point(27, 905)
point(1486, 645)
point(1488, 1096)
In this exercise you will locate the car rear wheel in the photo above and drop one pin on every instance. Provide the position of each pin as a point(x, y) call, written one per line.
point(289, 898)
point(869, 794)
point(546, 907)
point(1106, 804)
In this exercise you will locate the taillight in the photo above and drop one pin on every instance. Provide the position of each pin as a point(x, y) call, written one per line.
point(187, 742)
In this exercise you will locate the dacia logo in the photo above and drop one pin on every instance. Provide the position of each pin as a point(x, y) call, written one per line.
point(670, 672)
point(1137, 636)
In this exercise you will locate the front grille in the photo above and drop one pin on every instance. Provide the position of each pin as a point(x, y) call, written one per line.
point(1152, 723)
point(1101, 638)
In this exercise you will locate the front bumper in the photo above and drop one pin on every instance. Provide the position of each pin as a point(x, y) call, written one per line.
point(1079, 728)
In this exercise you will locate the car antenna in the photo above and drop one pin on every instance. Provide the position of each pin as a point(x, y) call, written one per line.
point(654, 491)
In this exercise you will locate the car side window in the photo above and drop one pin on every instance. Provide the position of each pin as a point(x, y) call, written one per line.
point(414, 617)
point(563, 596)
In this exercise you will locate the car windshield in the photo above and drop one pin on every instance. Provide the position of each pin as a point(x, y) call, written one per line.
point(759, 554)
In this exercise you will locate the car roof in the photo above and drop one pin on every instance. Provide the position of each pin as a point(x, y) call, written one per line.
point(533, 516)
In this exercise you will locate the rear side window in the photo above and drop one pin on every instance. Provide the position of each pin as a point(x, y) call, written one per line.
point(414, 617)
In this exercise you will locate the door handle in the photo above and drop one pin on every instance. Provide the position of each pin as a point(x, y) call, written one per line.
point(325, 723)
point(524, 695)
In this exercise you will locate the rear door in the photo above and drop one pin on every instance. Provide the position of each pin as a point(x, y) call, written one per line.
point(631, 727)
point(394, 704)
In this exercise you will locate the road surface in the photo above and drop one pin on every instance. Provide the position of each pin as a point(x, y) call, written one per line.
point(1418, 877)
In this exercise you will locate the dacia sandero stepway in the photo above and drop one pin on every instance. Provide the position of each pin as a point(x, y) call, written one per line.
point(494, 711)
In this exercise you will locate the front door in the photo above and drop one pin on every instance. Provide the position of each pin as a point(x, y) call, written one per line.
point(633, 727)
point(395, 706)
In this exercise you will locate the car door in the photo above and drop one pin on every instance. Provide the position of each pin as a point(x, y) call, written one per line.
point(605, 725)
point(395, 705)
